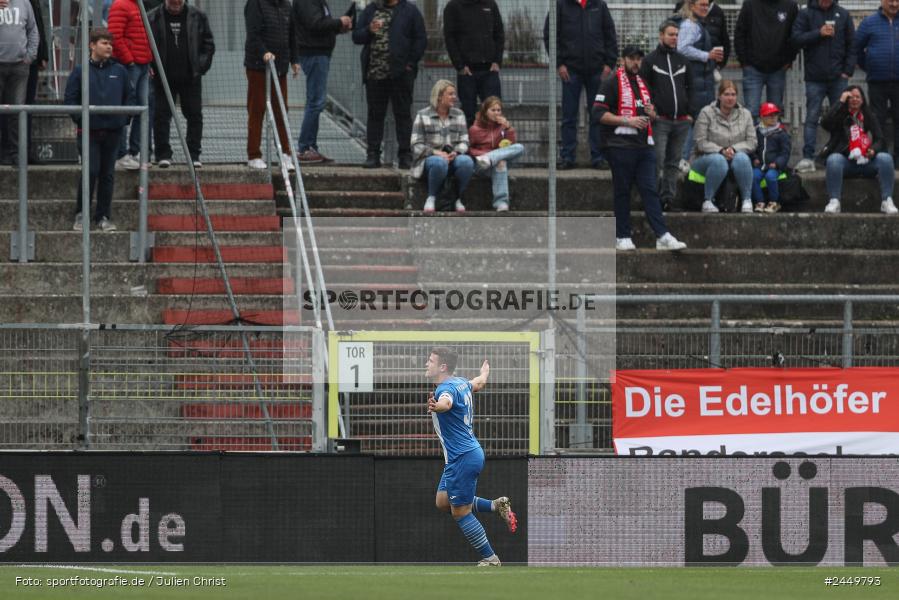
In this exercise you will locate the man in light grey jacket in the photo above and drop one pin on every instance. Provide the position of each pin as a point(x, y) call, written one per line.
point(19, 40)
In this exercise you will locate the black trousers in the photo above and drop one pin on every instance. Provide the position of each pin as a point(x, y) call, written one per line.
point(104, 148)
point(397, 92)
point(190, 94)
point(476, 87)
point(882, 93)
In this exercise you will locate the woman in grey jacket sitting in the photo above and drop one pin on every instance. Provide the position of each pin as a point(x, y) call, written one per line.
point(725, 137)
point(440, 144)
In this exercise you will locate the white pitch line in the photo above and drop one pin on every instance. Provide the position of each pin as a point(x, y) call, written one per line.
point(97, 569)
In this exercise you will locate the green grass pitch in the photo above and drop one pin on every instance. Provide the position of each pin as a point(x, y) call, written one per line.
point(426, 582)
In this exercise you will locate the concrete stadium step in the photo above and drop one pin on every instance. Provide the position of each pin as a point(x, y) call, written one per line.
point(370, 273)
point(107, 308)
point(367, 234)
point(115, 278)
point(225, 317)
point(286, 348)
point(239, 285)
point(292, 410)
point(338, 199)
point(62, 181)
point(58, 215)
point(211, 191)
point(359, 256)
point(229, 254)
point(345, 178)
point(219, 223)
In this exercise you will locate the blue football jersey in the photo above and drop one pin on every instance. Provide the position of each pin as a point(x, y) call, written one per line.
point(453, 427)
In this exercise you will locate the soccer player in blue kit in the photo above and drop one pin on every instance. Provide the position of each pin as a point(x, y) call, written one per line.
point(452, 411)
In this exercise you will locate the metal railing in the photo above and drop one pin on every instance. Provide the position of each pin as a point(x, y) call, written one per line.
point(22, 246)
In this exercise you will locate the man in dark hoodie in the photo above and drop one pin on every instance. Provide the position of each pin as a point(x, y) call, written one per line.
point(475, 39)
point(762, 44)
point(823, 31)
point(316, 36)
point(665, 73)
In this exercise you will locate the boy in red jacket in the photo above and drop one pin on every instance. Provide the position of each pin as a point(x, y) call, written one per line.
point(131, 48)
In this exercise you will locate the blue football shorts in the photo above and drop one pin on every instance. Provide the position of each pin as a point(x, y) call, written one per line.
point(460, 477)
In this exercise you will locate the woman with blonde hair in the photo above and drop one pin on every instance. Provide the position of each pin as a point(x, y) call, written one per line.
point(493, 144)
point(440, 145)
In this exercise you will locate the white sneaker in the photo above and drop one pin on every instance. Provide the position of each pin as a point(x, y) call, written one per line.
point(503, 507)
point(459, 206)
point(165, 163)
point(502, 207)
point(888, 207)
point(624, 244)
point(198, 164)
point(833, 206)
point(106, 225)
point(79, 223)
point(709, 207)
point(806, 165)
point(286, 159)
point(684, 166)
point(483, 162)
point(669, 242)
point(746, 207)
point(128, 162)
point(257, 163)
point(430, 204)
point(492, 561)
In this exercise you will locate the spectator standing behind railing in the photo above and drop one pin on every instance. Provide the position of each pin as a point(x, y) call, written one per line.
point(762, 42)
point(392, 34)
point(695, 43)
point(665, 72)
point(19, 39)
point(186, 47)
point(316, 36)
point(856, 149)
point(131, 48)
point(475, 39)
point(715, 22)
point(493, 144)
point(108, 86)
point(876, 45)
point(625, 110)
point(587, 53)
point(824, 32)
point(440, 145)
point(39, 64)
point(270, 37)
point(725, 137)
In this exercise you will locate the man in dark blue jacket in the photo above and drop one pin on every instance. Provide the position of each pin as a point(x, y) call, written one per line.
point(393, 36)
point(823, 31)
point(876, 44)
point(587, 52)
point(108, 86)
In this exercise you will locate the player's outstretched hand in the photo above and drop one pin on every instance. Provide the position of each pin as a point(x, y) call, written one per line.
point(485, 369)
point(432, 403)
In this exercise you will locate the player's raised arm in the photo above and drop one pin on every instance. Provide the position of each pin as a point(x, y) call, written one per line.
point(480, 381)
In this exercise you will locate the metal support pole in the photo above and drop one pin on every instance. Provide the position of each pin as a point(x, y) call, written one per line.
point(84, 363)
point(319, 423)
point(548, 392)
point(582, 433)
point(715, 337)
point(551, 153)
point(23, 242)
point(142, 245)
point(847, 334)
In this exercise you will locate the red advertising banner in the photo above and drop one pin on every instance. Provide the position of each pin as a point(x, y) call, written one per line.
point(756, 411)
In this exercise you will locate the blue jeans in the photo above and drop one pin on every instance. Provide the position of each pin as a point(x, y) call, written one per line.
point(715, 167)
point(437, 170)
point(139, 78)
point(770, 176)
point(499, 172)
point(315, 68)
point(839, 166)
point(630, 166)
point(753, 82)
point(815, 92)
point(571, 98)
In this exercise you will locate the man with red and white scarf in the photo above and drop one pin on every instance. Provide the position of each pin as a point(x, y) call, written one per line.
point(623, 109)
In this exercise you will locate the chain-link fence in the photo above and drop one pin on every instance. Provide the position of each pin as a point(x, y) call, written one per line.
point(156, 388)
point(524, 75)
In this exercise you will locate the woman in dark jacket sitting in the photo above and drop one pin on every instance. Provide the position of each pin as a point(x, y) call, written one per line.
point(855, 148)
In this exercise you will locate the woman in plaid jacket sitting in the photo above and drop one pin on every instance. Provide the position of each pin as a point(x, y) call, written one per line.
point(440, 145)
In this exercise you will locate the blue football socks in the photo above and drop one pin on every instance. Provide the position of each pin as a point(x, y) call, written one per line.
point(481, 505)
point(474, 533)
